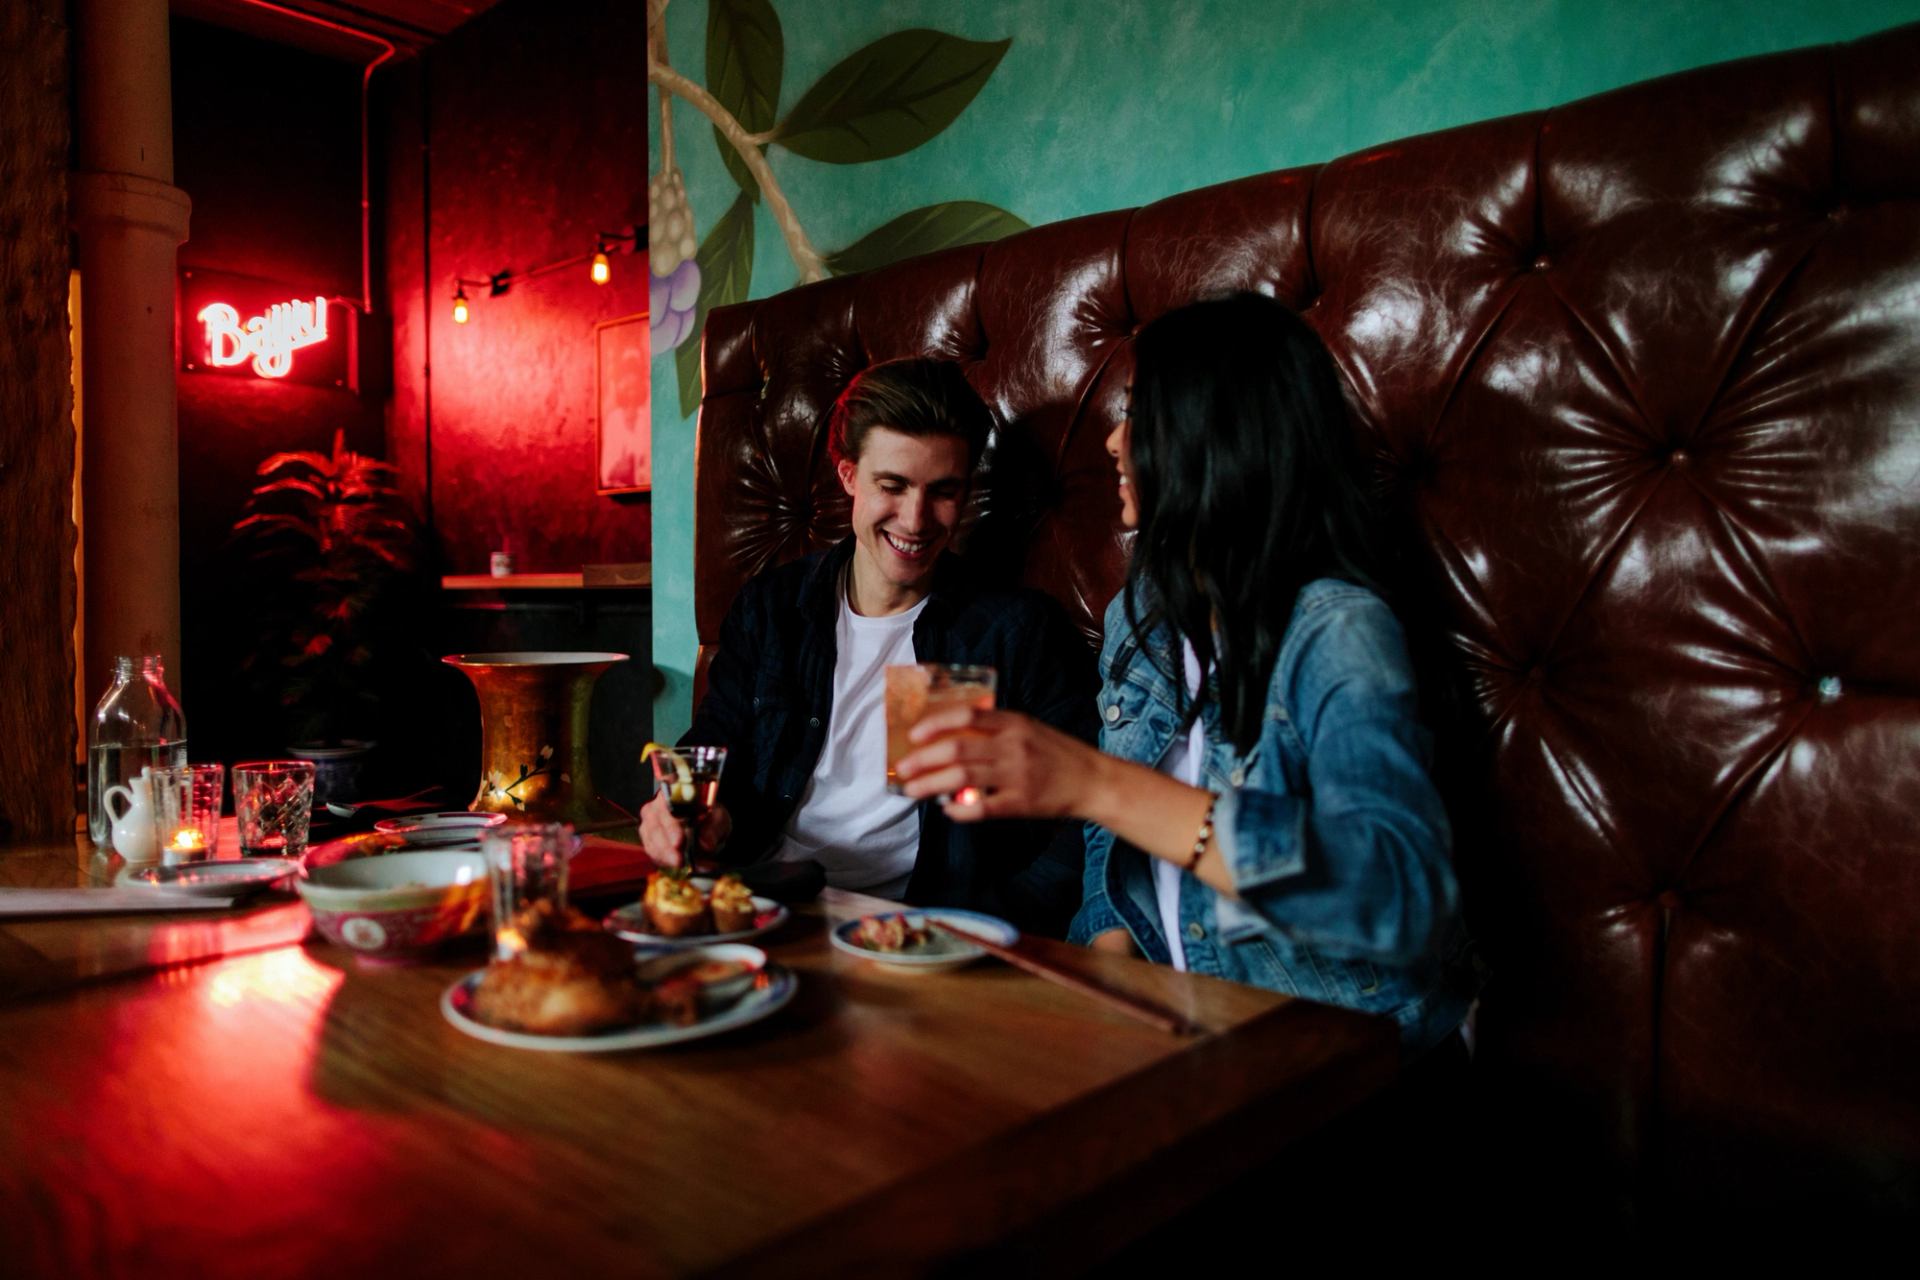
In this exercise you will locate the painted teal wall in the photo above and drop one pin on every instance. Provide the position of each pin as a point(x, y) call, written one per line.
point(1104, 104)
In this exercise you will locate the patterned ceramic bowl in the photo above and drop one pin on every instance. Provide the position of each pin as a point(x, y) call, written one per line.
point(398, 904)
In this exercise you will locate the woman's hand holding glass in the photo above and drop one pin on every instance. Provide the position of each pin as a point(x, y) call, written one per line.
point(999, 764)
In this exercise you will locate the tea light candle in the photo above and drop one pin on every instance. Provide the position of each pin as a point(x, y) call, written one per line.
point(188, 840)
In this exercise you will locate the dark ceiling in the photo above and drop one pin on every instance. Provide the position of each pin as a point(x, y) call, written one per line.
point(409, 25)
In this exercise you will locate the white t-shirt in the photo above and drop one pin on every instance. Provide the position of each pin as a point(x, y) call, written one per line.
point(866, 837)
point(1182, 763)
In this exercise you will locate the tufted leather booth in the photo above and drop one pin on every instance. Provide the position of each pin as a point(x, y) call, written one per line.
point(1640, 376)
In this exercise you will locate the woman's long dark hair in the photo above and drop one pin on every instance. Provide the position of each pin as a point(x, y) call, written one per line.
point(1248, 486)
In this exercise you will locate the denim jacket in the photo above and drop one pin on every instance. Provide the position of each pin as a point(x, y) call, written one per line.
point(1336, 840)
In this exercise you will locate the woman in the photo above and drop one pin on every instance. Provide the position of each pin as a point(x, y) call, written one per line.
point(1260, 807)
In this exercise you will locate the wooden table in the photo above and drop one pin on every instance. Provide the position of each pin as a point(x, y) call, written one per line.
point(210, 1094)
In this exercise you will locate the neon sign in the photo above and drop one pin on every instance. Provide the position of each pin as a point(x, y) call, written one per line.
point(268, 340)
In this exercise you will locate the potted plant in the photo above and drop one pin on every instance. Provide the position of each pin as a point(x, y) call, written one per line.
point(329, 549)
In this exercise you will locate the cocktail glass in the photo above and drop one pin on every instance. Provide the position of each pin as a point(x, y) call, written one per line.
point(690, 779)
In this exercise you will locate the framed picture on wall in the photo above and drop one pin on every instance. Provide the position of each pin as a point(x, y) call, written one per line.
point(623, 436)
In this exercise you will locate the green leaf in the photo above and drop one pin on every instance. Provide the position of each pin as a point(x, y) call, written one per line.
point(937, 226)
point(889, 97)
point(746, 56)
point(725, 259)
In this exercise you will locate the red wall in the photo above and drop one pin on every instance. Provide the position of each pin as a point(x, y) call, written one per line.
point(267, 145)
point(535, 139)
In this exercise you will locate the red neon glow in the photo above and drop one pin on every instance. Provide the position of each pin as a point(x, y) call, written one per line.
point(269, 340)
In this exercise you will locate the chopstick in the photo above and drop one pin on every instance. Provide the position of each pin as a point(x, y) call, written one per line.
point(594, 828)
point(1145, 1011)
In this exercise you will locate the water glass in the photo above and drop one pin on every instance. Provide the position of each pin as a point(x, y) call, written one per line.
point(186, 812)
point(527, 868)
point(273, 799)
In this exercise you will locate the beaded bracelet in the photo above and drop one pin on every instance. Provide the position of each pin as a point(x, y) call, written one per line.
point(1200, 837)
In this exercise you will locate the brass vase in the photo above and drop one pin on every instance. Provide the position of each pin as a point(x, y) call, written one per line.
point(533, 734)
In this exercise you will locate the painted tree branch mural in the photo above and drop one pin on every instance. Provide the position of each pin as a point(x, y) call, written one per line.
point(881, 101)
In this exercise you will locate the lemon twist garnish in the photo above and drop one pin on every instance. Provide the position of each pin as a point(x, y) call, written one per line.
point(681, 788)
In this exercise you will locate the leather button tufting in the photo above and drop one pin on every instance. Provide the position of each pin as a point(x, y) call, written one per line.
point(1668, 900)
point(1679, 457)
point(1828, 690)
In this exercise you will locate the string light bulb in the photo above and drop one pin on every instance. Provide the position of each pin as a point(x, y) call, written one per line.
point(602, 269)
point(459, 304)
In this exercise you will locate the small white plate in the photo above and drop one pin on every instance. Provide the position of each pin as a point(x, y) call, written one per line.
point(943, 951)
point(630, 922)
point(775, 988)
point(450, 820)
point(214, 878)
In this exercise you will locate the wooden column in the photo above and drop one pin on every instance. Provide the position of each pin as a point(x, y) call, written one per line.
point(36, 427)
point(131, 220)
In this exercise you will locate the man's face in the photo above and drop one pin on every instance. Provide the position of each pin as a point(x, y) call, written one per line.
point(907, 494)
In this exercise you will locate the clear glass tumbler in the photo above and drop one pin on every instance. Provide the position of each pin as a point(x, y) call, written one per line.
point(186, 812)
point(527, 869)
point(273, 800)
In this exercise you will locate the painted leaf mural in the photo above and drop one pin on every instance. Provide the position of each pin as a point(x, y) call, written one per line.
point(938, 226)
point(889, 97)
point(746, 56)
point(882, 101)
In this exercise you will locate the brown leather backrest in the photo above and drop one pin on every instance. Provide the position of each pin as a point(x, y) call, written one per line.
point(1641, 378)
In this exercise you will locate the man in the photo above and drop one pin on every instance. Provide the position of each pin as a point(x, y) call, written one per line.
point(795, 692)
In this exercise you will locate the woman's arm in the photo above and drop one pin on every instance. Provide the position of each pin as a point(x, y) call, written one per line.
point(1357, 866)
point(1027, 769)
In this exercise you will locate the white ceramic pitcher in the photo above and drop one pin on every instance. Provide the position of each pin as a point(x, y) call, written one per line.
point(133, 835)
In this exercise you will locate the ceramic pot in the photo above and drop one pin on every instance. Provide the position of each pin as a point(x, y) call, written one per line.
point(338, 771)
point(533, 734)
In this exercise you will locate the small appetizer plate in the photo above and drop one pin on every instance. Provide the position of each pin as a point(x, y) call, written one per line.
point(941, 951)
point(765, 991)
point(215, 878)
point(630, 922)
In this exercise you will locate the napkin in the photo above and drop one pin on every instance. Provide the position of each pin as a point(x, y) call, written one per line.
point(16, 904)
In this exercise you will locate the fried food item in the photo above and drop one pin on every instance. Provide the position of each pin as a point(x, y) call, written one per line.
point(567, 983)
point(677, 998)
point(546, 920)
point(890, 933)
point(675, 906)
point(732, 903)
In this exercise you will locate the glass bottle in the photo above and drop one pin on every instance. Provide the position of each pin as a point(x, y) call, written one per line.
point(137, 725)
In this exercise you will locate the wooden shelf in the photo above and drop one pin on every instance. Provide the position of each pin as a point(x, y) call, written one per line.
point(513, 582)
point(594, 577)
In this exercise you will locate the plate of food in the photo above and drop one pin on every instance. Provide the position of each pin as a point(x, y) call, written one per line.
point(908, 940)
point(691, 911)
point(585, 991)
